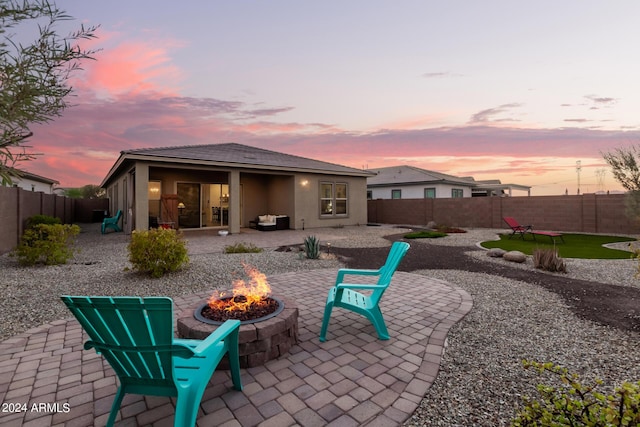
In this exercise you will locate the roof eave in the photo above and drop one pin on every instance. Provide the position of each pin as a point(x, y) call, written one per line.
point(127, 156)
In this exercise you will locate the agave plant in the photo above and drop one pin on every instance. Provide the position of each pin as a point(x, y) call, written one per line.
point(312, 247)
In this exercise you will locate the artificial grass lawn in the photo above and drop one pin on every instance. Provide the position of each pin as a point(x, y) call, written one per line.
point(587, 246)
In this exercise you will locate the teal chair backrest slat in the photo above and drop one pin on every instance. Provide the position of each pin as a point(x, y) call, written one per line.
point(396, 253)
point(135, 335)
point(130, 323)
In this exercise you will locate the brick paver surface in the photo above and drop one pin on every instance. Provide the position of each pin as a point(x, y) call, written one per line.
point(352, 379)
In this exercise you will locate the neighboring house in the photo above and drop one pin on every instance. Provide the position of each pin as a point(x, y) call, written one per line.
point(229, 185)
point(32, 182)
point(408, 182)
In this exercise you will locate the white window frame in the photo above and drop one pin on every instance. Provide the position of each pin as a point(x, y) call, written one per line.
point(333, 199)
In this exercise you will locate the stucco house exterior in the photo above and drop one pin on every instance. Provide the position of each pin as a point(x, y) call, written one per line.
point(32, 182)
point(229, 185)
point(408, 182)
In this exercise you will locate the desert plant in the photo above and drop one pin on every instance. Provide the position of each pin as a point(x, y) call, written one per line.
point(312, 247)
point(242, 248)
point(548, 259)
point(49, 244)
point(575, 404)
point(424, 234)
point(157, 251)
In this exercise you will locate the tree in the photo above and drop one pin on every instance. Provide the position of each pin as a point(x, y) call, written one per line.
point(624, 164)
point(34, 76)
point(93, 192)
point(88, 191)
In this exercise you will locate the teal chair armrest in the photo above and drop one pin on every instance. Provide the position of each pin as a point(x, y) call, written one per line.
point(359, 286)
point(223, 331)
point(352, 271)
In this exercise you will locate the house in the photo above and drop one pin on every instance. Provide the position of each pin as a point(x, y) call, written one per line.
point(32, 182)
point(408, 182)
point(229, 185)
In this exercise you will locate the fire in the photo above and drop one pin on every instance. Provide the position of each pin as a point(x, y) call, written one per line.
point(245, 295)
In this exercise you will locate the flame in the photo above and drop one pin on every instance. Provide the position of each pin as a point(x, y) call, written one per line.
point(245, 295)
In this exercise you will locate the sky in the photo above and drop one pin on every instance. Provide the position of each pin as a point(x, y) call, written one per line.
point(530, 93)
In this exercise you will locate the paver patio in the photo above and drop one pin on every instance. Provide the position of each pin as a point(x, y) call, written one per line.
point(353, 379)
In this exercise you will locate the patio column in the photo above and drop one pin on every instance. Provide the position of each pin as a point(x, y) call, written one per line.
point(141, 206)
point(234, 202)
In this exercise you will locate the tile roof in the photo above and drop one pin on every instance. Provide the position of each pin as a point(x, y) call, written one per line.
point(243, 156)
point(396, 175)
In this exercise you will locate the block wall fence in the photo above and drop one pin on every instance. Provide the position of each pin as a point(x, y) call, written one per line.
point(17, 204)
point(587, 213)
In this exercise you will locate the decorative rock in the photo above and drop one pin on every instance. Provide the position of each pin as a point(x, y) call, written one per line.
point(431, 225)
point(496, 252)
point(515, 256)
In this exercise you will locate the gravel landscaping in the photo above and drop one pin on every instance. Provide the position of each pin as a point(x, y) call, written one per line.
point(481, 380)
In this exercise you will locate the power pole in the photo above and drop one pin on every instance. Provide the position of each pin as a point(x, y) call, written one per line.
point(578, 169)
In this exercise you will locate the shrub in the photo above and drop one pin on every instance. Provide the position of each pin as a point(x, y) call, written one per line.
point(548, 259)
point(34, 220)
point(574, 404)
point(448, 229)
point(157, 251)
point(242, 248)
point(424, 234)
point(49, 244)
point(312, 247)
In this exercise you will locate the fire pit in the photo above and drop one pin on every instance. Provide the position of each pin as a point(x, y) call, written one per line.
point(268, 325)
point(270, 307)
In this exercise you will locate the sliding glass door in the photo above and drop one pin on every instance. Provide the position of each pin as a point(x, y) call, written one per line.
point(203, 205)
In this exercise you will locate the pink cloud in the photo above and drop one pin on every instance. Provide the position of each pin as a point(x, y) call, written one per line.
point(129, 98)
point(128, 67)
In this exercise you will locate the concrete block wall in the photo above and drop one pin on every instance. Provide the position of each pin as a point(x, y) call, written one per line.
point(17, 204)
point(588, 213)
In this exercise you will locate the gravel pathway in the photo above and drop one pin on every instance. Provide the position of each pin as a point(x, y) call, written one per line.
point(481, 380)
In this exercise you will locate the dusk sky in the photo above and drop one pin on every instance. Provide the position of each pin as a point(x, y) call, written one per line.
point(516, 91)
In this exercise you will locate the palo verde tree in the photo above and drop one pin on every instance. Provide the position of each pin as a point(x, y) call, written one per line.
point(34, 74)
point(624, 164)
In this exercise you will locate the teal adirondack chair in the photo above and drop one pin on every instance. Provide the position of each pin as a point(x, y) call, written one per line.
point(112, 222)
point(346, 295)
point(135, 335)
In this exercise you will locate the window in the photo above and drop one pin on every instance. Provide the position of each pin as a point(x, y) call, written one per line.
point(333, 198)
point(396, 194)
point(369, 195)
point(456, 192)
point(429, 193)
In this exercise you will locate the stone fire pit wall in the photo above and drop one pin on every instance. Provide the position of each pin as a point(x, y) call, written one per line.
point(258, 342)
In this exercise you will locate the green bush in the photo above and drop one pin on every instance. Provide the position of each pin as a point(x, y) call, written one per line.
point(548, 259)
point(242, 248)
point(424, 234)
point(49, 244)
point(34, 220)
point(312, 247)
point(157, 251)
point(574, 404)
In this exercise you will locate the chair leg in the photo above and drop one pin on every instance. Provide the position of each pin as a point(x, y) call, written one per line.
point(187, 406)
point(115, 407)
point(234, 362)
point(375, 315)
point(325, 321)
